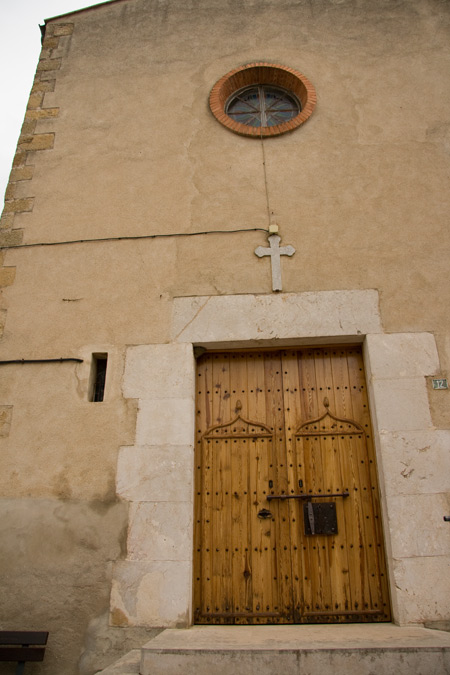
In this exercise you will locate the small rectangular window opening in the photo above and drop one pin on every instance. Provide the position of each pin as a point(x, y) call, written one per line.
point(98, 377)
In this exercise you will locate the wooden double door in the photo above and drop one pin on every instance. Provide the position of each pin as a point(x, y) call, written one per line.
point(287, 516)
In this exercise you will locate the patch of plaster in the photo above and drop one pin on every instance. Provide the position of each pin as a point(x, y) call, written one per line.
point(5, 420)
point(439, 133)
point(118, 617)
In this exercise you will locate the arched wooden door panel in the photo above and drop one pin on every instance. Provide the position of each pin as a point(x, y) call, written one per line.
point(287, 519)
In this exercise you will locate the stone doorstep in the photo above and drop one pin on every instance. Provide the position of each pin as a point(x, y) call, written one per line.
point(263, 649)
point(355, 649)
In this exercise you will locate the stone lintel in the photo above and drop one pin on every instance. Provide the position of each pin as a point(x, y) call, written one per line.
point(211, 319)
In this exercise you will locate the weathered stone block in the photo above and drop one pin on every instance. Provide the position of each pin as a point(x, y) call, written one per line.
point(49, 64)
point(416, 462)
point(151, 593)
point(11, 238)
point(62, 29)
point(155, 473)
point(402, 355)
point(159, 371)
point(25, 137)
point(417, 525)
point(423, 588)
point(20, 157)
point(47, 75)
point(7, 276)
point(168, 421)
point(45, 54)
point(160, 531)
point(44, 86)
point(50, 43)
point(43, 113)
point(401, 405)
point(2, 321)
point(22, 173)
point(39, 142)
point(35, 100)
point(10, 191)
point(28, 127)
point(15, 205)
point(6, 221)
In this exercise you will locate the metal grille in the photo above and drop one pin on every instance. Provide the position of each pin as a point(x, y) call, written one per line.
point(263, 106)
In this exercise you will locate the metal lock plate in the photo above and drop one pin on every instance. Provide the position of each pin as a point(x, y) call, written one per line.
point(320, 518)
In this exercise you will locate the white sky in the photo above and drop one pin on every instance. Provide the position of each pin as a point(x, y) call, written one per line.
point(20, 44)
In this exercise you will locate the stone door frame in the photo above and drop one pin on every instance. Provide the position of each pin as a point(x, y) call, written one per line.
point(152, 586)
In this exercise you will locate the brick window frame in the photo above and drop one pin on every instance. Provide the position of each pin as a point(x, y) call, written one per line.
point(262, 73)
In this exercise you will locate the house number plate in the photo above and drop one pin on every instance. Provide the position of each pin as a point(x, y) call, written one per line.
point(440, 384)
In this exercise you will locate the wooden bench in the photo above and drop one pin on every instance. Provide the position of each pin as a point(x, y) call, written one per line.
point(22, 646)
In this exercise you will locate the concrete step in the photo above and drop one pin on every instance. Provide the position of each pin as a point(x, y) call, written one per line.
point(127, 665)
point(356, 649)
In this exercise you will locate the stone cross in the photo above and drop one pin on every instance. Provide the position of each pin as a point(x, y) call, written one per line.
point(275, 251)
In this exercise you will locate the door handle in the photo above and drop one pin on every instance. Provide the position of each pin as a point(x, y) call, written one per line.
point(311, 518)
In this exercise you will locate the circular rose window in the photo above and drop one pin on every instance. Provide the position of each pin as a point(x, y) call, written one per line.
point(262, 99)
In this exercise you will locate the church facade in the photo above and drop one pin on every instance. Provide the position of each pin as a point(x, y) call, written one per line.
point(225, 338)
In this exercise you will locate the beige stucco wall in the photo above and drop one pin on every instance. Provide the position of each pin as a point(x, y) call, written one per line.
point(361, 187)
point(360, 191)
